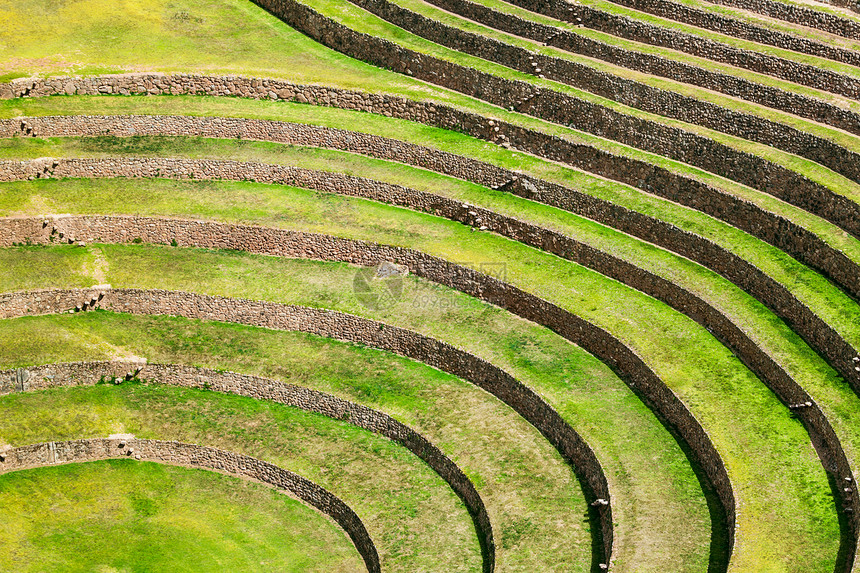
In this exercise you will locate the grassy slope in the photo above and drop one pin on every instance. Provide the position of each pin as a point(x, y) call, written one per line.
point(163, 30)
point(358, 19)
point(523, 481)
point(398, 497)
point(122, 515)
point(810, 287)
point(758, 424)
point(769, 333)
point(658, 506)
point(98, 36)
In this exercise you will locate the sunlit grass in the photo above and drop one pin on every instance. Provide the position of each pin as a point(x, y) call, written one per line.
point(122, 515)
point(711, 382)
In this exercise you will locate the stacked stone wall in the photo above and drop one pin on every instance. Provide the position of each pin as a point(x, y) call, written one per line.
point(654, 64)
point(638, 31)
point(678, 144)
point(823, 338)
point(330, 324)
point(88, 373)
point(322, 95)
point(190, 455)
point(350, 328)
point(433, 352)
point(803, 15)
point(655, 100)
point(746, 30)
point(124, 229)
point(607, 348)
point(778, 231)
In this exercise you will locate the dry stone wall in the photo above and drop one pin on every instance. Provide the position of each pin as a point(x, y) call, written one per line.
point(190, 455)
point(654, 64)
point(433, 352)
point(637, 31)
point(651, 99)
point(826, 341)
point(803, 15)
point(787, 389)
point(648, 135)
point(778, 231)
point(125, 229)
point(89, 373)
point(608, 348)
point(742, 29)
point(350, 328)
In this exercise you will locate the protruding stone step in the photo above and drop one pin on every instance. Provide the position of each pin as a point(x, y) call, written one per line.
point(20, 379)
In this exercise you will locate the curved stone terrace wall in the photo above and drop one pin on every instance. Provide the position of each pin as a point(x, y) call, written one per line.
point(168, 231)
point(652, 136)
point(850, 4)
point(345, 327)
point(778, 231)
point(824, 339)
point(35, 378)
point(742, 29)
point(802, 15)
point(642, 96)
point(654, 64)
point(190, 455)
point(24, 230)
point(341, 326)
point(637, 31)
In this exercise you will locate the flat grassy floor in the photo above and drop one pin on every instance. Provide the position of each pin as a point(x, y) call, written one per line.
point(525, 484)
point(658, 507)
point(523, 481)
point(398, 497)
point(755, 441)
point(122, 515)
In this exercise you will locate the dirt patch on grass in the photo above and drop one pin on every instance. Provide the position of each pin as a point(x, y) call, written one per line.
point(37, 205)
point(33, 65)
point(98, 267)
